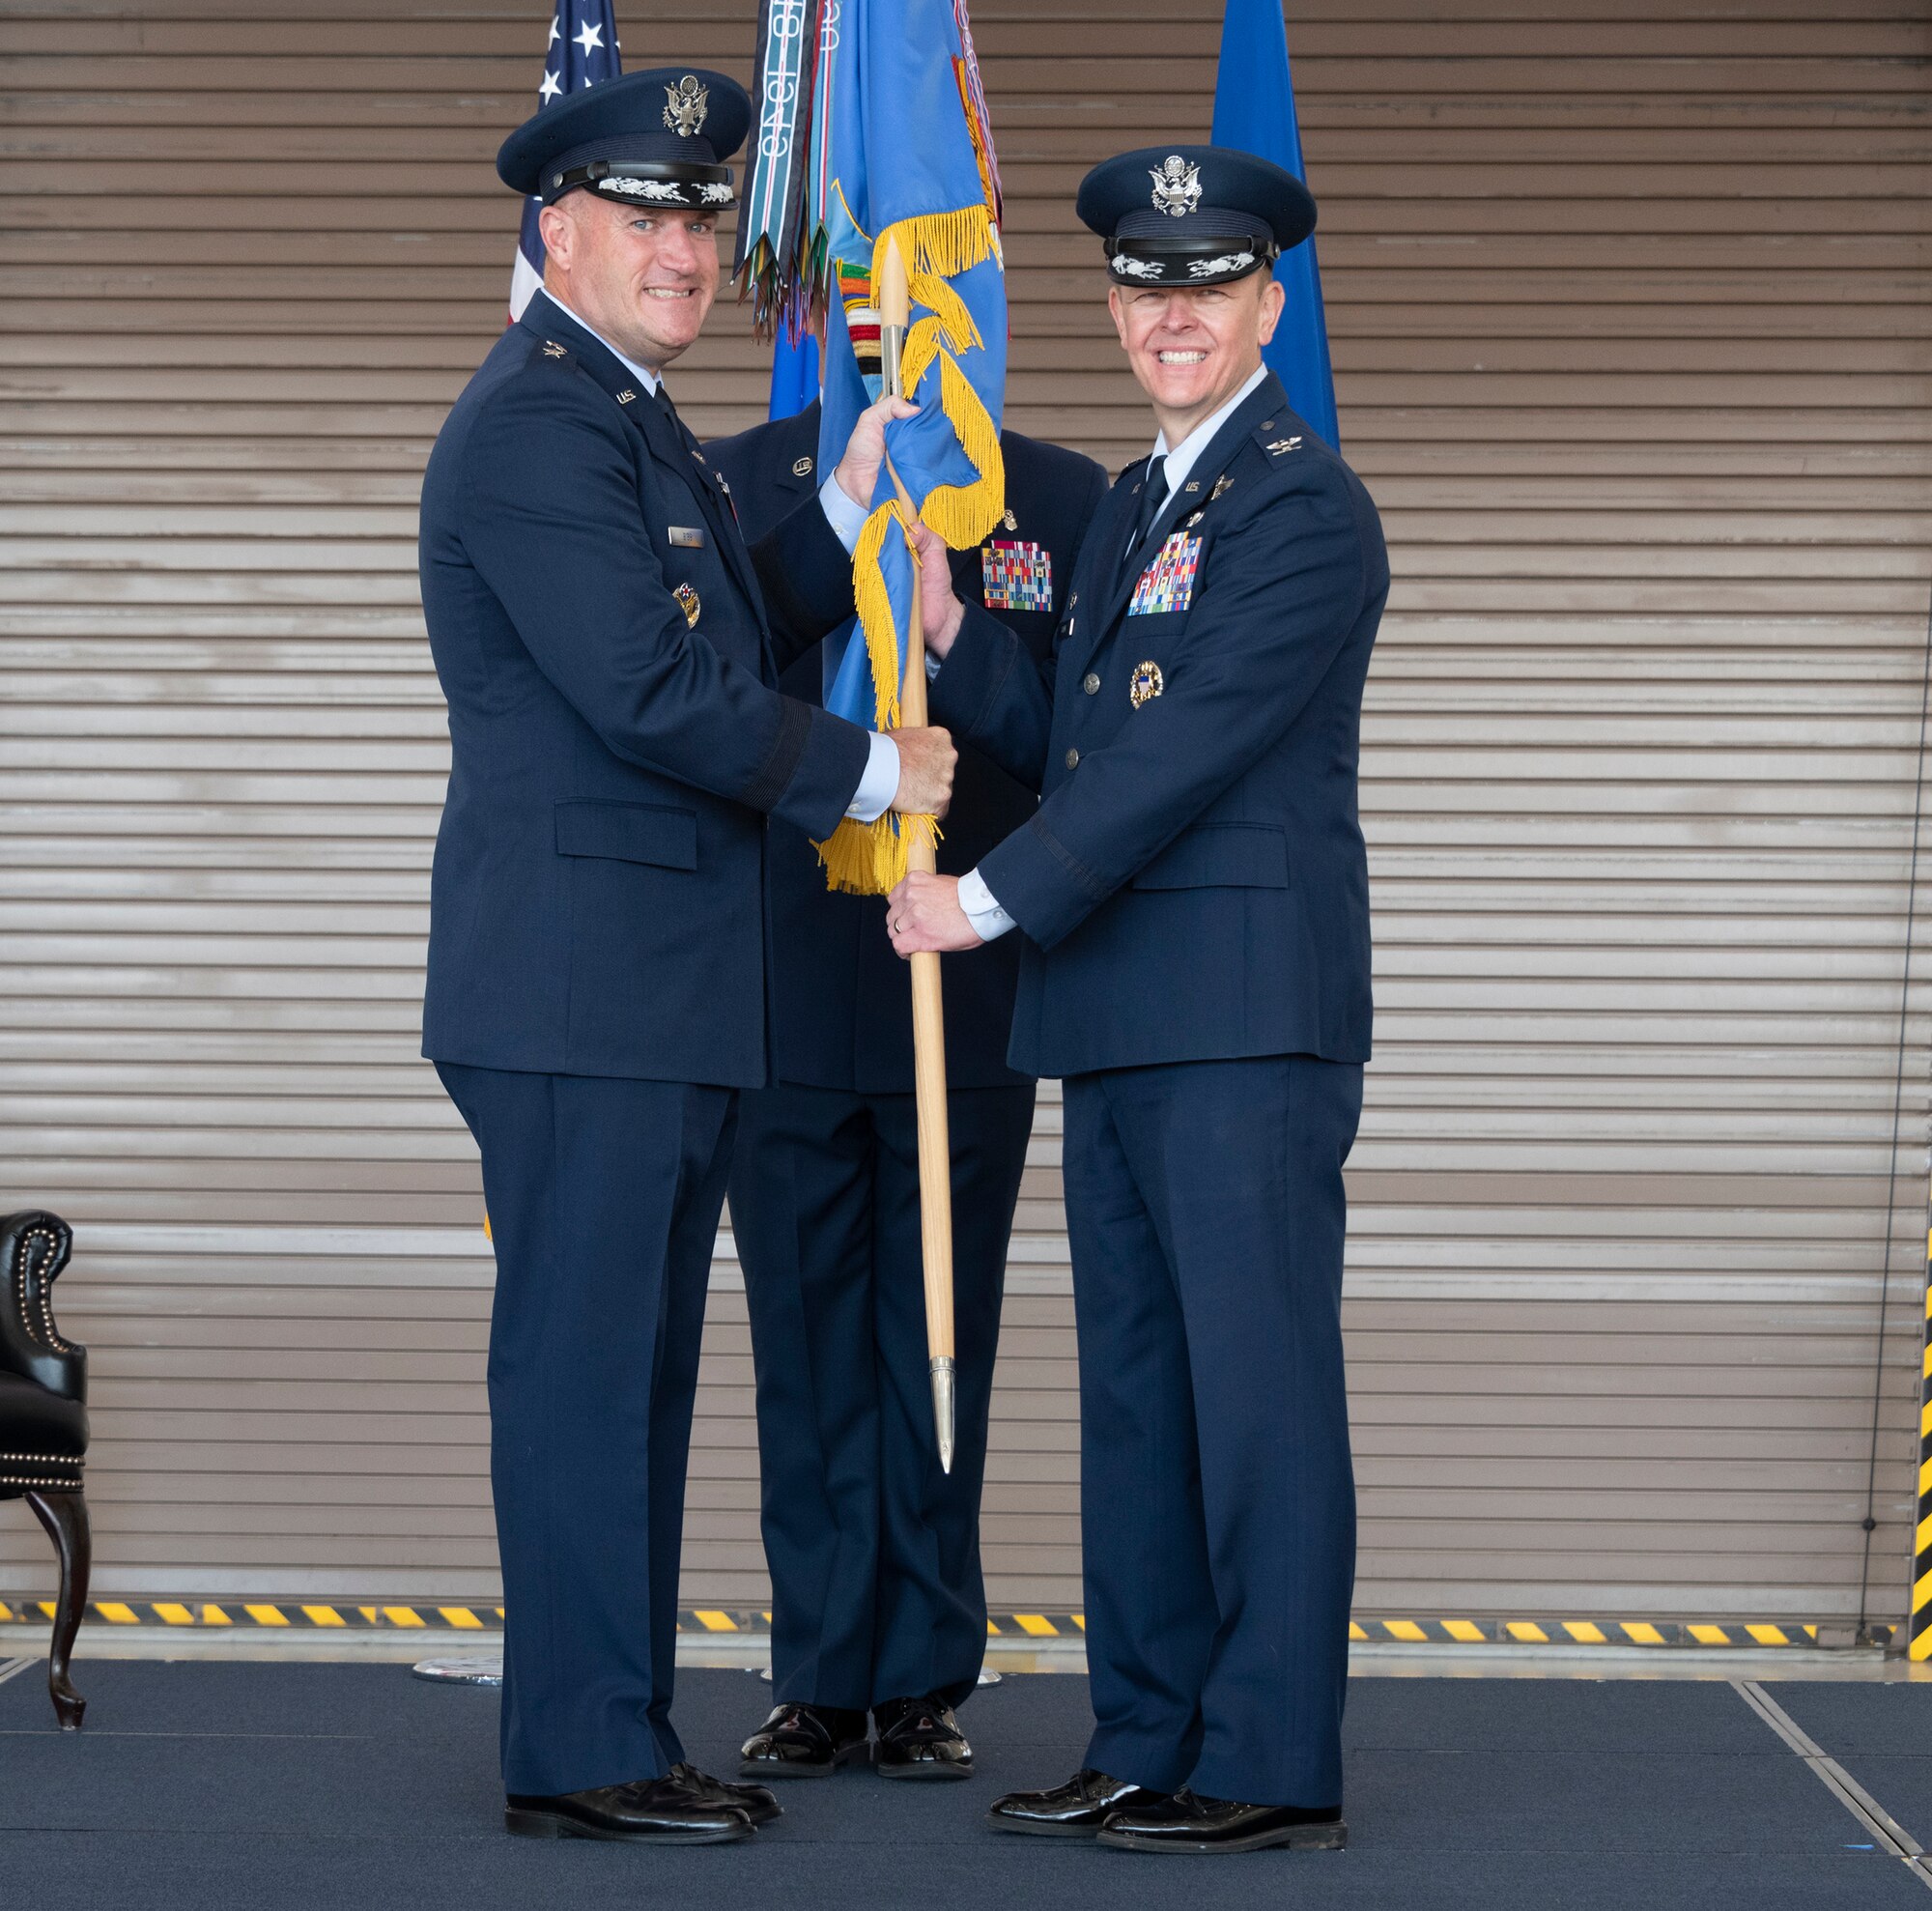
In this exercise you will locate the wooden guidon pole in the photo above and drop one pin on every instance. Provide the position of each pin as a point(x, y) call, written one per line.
point(928, 1027)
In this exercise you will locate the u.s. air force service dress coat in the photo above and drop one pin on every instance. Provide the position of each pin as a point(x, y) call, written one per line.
point(609, 651)
point(1194, 882)
point(1193, 894)
point(874, 1552)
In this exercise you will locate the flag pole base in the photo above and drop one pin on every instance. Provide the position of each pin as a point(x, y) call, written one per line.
point(942, 1408)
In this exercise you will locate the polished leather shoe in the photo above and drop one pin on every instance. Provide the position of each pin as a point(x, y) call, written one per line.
point(1078, 1809)
point(753, 1801)
point(803, 1742)
point(920, 1738)
point(663, 1810)
point(1188, 1822)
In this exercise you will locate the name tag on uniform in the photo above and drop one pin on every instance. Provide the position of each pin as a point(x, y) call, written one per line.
point(1018, 576)
point(1168, 582)
point(685, 537)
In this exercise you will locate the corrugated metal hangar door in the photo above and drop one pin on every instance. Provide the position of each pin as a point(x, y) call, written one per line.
point(1631, 318)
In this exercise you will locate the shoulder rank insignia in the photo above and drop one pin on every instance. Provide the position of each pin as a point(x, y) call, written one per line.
point(801, 467)
point(1016, 577)
point(687, 601)
point(553, 350)
point(1145, 684)
point(1277, 446)
point(1168, 582)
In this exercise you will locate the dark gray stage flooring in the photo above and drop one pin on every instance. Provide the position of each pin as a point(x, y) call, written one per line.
point(205, 1786)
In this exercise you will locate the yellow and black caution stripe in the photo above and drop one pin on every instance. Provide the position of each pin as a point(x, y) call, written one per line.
point(1010, 1628)
point(264, 1613)
point(1921, 1623)
point(1591, 1632)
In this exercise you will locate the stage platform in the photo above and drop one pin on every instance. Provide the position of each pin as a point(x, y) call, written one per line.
point(205, 1785)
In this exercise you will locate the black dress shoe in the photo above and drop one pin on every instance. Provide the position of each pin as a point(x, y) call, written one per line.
point(662, 1811)
point(753, 1801)
point(803, 1742)
point(1078, 1809)
point(920, 1738)
point(1188, 1822)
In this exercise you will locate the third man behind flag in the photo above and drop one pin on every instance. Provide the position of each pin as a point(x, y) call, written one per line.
point(877, 1599)
point(878, 1605)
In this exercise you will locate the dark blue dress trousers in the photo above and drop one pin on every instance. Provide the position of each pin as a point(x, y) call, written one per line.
point(603, 1197)
point(874, 1552)
point(1206, 1212)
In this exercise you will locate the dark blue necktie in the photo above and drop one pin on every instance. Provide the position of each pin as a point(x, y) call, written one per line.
point(1154, 495)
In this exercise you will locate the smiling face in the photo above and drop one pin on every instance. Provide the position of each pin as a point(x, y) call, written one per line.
point(643, 277)
point(1192, 345)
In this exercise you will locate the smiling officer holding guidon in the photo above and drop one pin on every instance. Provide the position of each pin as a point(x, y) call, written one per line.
point(1193, 894)
point(609, 651)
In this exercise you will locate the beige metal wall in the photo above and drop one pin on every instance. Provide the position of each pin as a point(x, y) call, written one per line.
point(1631, 328)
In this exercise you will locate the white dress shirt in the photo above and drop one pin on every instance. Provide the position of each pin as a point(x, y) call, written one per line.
point(982, 906)
point(880, 783)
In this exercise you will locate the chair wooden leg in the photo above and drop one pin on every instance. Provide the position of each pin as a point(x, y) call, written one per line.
point(65, 1517)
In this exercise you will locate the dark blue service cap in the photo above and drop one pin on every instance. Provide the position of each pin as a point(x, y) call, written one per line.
point(1193, 215)
point(654, 138)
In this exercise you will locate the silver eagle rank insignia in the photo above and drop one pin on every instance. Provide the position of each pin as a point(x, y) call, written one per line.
point(687, 104)
point(1177, 187)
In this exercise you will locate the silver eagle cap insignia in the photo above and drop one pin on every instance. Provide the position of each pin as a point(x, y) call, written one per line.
point(1177, 187)
point(687, 104)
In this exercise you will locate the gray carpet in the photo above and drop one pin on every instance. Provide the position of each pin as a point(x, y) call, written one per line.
point(203, 1786)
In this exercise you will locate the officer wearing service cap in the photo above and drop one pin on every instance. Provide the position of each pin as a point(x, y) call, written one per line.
point(1193, 897)
point(609, 651)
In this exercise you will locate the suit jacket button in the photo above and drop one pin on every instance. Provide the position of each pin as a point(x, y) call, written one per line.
point(1090, 683)
point(1072, 759)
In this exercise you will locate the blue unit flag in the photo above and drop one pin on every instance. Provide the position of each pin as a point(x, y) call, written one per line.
point(1254, 112)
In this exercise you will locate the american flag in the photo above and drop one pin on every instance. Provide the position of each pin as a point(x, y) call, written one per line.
point(583, 50)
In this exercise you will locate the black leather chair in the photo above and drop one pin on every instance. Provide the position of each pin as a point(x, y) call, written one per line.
point(43, 1423)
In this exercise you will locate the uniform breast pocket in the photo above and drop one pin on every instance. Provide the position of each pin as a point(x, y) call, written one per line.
point(1221, 856)
point(652, 832)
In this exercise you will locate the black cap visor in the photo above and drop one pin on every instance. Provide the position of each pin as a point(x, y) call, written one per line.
point(679, 185)
point(1204, 259)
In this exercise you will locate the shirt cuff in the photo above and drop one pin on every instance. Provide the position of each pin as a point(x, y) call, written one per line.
point(879, 785)
point(846, 519)
point(989, 921)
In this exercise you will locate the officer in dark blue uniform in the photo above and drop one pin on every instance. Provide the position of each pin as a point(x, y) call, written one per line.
point(610, 652)
point(877, 1601)
point(1193, 897)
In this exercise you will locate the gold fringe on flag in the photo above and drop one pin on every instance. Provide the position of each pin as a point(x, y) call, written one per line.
point(964, 514)
point(870, 859)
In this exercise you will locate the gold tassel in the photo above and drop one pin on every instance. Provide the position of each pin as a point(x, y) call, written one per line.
point(870, 859)
point(921, 348)
point(875, 611)
point(964, 514)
